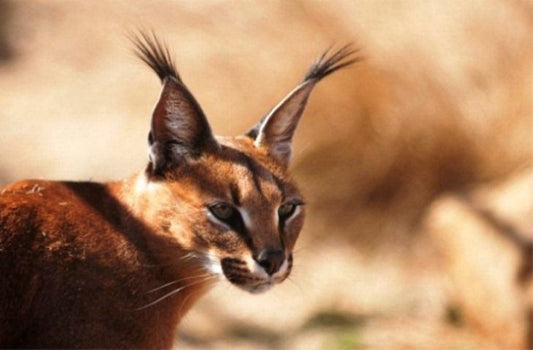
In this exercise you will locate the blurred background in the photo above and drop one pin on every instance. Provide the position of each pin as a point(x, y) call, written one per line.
point(417, 163)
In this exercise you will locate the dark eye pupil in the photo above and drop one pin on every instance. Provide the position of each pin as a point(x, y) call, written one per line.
point(286, 210)
point(222, 211)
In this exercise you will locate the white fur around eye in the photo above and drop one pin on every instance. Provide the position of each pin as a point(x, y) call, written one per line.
point(245, 218)
point(294, 214)
point(216, 220)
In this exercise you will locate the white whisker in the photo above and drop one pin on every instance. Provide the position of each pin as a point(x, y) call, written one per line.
point(176, 281)
point(302, 291)
point(172, 293)
point(182, 304)
point(184, 258)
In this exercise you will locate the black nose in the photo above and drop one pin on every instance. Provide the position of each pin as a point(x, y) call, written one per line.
point(271, 260)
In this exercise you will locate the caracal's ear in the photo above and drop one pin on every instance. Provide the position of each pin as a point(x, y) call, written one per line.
point(275, 131)
point(179, 131)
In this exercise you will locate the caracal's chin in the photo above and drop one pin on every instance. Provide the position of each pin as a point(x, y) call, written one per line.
point(249, 276)
point(259, 286)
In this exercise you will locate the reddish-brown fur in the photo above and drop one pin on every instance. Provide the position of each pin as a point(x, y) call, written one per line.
point(117, 265)
point(75, 246)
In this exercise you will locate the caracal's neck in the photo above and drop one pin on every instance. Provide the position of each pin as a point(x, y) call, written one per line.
point(135, 196)
point(137, 199)
point(168, 258)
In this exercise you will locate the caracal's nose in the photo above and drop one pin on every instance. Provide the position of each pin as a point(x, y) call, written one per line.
point(271, 260)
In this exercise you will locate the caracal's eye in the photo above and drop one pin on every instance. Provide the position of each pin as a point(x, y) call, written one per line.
point(286, 210)
point(222, 211)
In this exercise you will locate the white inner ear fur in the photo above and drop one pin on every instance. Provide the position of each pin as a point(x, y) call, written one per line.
point(291, 109)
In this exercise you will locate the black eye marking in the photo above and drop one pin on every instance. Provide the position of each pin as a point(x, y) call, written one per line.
point(235, 194)
point(287, 209)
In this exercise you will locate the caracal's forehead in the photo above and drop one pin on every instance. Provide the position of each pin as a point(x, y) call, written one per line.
point(241, 174)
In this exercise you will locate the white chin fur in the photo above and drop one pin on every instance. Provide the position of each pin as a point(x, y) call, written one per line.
point(259, 288)
point(214, 267)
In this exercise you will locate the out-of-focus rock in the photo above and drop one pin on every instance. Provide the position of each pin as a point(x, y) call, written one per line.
point(483, 238)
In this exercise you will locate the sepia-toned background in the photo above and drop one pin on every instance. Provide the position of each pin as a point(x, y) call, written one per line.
point(417, 163)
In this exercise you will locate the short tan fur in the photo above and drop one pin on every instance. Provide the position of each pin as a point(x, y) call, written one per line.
point(117, 265)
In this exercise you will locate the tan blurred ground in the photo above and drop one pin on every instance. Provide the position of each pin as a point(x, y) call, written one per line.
point(416, 164)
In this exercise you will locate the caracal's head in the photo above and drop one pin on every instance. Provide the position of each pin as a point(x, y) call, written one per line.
point(229, 201)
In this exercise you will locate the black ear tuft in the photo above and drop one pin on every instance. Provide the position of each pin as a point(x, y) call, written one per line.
point(326, 64)
point(179, 129)
point(155, 54)
point(275, 131)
